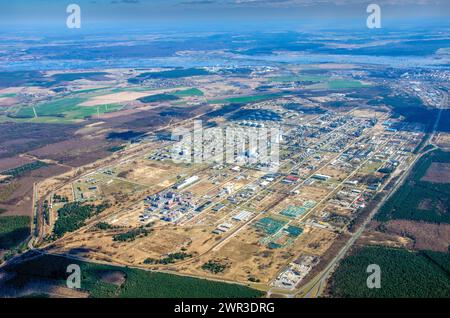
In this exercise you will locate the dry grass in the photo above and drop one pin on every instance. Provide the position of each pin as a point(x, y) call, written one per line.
point(438, 173)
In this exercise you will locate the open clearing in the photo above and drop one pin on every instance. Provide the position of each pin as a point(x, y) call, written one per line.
point(438, 172)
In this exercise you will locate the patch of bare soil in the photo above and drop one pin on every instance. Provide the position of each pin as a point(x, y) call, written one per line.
point(113, 277)
point(426, 205)
point(337, 245)
point(438, 172)
point(426, 236)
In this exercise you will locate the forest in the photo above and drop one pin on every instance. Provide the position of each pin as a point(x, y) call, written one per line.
point(404, 273)
point(420, 200)
point(137, 283)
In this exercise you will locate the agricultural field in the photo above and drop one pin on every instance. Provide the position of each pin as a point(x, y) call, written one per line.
point(320, 82)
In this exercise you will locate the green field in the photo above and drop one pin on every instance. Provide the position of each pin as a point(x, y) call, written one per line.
point(403, 274)
point(64, 109)
point(137, 284)
point(7, 95)
point(188, 92)
point(13, 230)
point(73, 215)
point(343, 83)
point(420, 200)
point(269, 225)
point(68, 110)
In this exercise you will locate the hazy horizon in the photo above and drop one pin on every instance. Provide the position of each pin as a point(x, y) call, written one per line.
point(227, 15)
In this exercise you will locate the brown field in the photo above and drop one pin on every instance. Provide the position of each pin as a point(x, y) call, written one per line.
point(366, 113)
point(269, 201)
point(156, 174)
point(7, 101)
point(246, 257)
point(443, 140)
point(16, 197)
point(315, 241)
point(427, 236)
point(438, 173)
point(75, 152)
point(325, 258)
point(24, 137)
point(13, 162)
point(337, 174)
point(373, 237)
point(122, 97)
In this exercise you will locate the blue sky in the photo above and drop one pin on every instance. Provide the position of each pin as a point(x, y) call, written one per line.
point(315, 13)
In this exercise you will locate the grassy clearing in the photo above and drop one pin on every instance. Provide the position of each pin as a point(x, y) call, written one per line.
point(343, 84)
